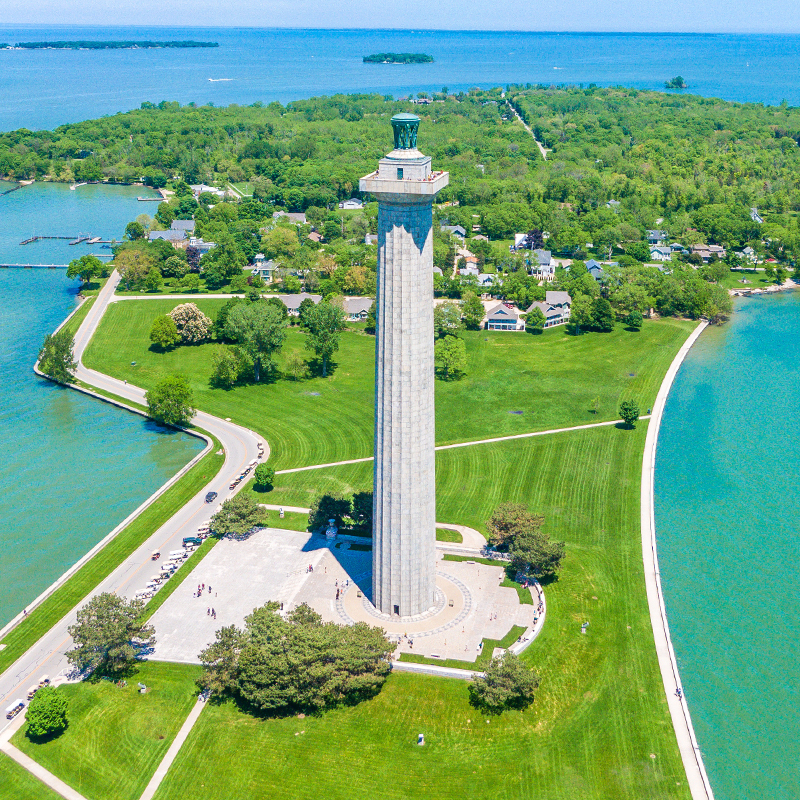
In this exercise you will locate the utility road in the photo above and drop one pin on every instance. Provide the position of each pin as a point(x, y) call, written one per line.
point(241, 447)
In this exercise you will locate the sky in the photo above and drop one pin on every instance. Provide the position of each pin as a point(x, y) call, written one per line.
point(741, 16)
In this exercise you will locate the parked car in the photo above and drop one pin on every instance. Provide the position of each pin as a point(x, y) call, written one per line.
point(14, 709)
point(187, 540)
point(211, 497)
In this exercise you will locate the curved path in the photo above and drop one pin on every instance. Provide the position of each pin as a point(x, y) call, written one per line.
point(681, 720)
point(240, 445)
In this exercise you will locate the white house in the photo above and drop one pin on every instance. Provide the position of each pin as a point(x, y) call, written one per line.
point(556, 308)
point(543, 266)
point(353, 204)
point(661, 254)
point(504, 317)
point(263, 267)
point(357, 308)
point(202, 246)
point(657, 237)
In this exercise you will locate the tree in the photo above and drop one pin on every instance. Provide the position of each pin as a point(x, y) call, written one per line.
point(171, 400)
point(296, 365)
point(228, 365)
point(362, 511)
point(447, 319)
point(192, 324)
point(450, 354)
point(473, 311)
point(299, 661)
point(506, 683)
point(581, 314)
point(153, 281)
point(506, 522)
point(193, 256)
point(164, 332)
point(237, 517)
point(264, 476)
point(372, 319)
point(104, 633)
point(134, 230)
point(56, 358)
point(602, 315)
point(634, 320)
point(639, 250)
point(47, 713)
point(85, 268)
point(281, 242)
point(629, 411)
point(324, 323)
point(175, 267)
point(259, 329)
point(326, 507)
point(535, 320)
point(133, 264)
point(190, 282)
point(305, 304)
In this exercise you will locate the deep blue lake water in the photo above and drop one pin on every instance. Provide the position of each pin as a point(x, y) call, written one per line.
point(42, 89)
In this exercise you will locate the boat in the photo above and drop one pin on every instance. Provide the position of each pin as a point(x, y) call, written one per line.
point(218, 80)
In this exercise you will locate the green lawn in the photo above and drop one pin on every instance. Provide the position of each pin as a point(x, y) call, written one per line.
point(41, 619)
point(117, 737)
point(551, 379)
point(16, 783)
point(600, 727)
point(78, 317)
point(736, 279)
point(448, 535)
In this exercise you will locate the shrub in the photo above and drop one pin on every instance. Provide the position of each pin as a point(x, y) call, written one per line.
point(193, 325)
point(47, 713)
point(264, 476)
point(506, 683)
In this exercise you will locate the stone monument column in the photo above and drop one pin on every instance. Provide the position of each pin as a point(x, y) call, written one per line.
point(404, 539)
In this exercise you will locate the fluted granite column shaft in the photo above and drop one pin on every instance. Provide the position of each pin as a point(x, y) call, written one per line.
point(404, 571)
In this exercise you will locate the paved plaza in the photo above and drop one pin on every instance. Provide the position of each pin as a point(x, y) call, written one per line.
point(334, 578)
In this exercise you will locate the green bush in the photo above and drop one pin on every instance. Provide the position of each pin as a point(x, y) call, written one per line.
point(47, 713)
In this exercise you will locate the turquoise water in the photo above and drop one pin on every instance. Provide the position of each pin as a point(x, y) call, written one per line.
point(726, 508)
point(72, 467)
point(42, 89)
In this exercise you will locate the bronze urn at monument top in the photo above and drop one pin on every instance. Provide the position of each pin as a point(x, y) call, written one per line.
point(404, 538)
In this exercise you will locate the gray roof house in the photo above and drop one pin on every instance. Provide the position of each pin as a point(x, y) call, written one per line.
point(656, 237)
point(292, 301)
point(357, 308)
point(556, 308)
point(371, 238)
point(264, 267)
point(182, 225)
point(661, 253)
point(755, 216)
point(504, 317)
point(171, 236)
point(456, 230)
point(595, 269)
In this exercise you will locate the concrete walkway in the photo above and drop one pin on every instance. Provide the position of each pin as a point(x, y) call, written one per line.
point(681, 721)
point(468, 444)
point(174, 748)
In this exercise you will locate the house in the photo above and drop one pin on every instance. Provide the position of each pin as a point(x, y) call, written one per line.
point(315, 237)
point(613, 204)
point(661, 253)
point(182, 225)
point(471, 268)
point(657, 237)
point(480, 238)
point(677, 247)
point(264, 267)
point(556, 308)
point(353, 204)
point(504, 317)
point(371, 238)
point(298, 217)
point(199, 244)
point(487, 280)
point(357, 308)
point(202, 188)
point(748, 254)
point(176, 238)
point(520, 239)
point(595, 269)
point(455, 230)
point(462, 252)
point(292, 301)
point(706, 251)
point(755, 216)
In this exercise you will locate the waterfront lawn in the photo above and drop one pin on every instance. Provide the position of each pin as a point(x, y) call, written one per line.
point(65, 598)
point(116, 736)
point(16, 783)
point(754, 280)
point(552, 379)
point(74, 322)
point(600, 714)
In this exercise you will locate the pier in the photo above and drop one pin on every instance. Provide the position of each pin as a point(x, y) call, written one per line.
point(73, 239)
point(39, 238)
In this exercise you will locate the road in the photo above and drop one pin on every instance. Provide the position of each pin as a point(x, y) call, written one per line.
point(240, 445)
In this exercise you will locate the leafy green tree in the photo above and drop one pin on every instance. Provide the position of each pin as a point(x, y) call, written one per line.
point(362, 511)
point(533, 553)
point(299, 661)
point(450, 354)
point(324, 323)
point(47, 713)
point(506, 683)
point(281, 243)
point(260, 330)
point(175, 267)
point(447, 319)
point(190, 282)
point(535, 321)
point(238, 516)
point(171, 401)
point(326, 507)
point(634, 320)
point(226, 367)
point(629, 411)
point(508, 520)
point(85, 268)
point(602, 315)
point(221, 320)
point(473, 311)
point(153, 281)
point(134, 230)
point(372, 319)
point(264, 476)
point(639, 250)
point(56, 359)
point(105, 631)
point(164, 332)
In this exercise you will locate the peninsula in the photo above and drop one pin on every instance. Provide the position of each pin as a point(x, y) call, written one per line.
point(112, 45)
point(398, 58)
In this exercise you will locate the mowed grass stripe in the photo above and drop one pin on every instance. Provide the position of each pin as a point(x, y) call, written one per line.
point(552, 379)
point(599, 714)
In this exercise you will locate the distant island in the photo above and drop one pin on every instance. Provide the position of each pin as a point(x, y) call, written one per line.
point(95, 45)
point(398, 58)
point(676, 83)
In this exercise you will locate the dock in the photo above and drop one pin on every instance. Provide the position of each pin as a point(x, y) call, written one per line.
point(150, 199)
point(39, 238)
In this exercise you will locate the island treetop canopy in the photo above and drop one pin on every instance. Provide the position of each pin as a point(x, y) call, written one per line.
point(405, 127)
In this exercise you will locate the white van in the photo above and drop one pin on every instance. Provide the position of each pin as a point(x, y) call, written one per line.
point(14, 709)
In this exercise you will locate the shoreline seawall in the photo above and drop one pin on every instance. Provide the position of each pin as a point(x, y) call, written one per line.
point(696, 775)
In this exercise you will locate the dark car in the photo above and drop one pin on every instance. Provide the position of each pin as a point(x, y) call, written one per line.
point(211, 497)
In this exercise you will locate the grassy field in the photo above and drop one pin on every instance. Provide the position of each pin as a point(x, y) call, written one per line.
point(599, 728)
point(516, 383)
point(17, 783)
point(736, 279)
point(79, 316)
point(117, 737)
point(41, 619)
